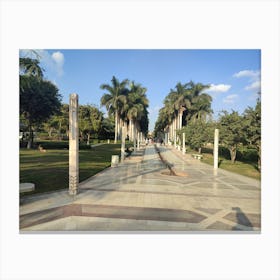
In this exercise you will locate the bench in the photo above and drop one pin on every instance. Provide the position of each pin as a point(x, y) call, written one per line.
point(197, 156)
point(26, 187)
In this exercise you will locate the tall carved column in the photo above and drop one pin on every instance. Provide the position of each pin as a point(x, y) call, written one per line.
point(184, 143)
point(216, 148)
point(73, 144)
point(138, 140)
point(123, 134)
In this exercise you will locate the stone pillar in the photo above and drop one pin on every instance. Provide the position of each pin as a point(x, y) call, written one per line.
point(216, 148)
point(184, 146)
point(134, 138)
point(73, 144)
point(138, 140)
point(123, 143)
point(175, 139)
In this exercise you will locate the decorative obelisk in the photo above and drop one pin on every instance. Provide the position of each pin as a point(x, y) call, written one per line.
point(123, 133)
point(73, 144)
point(184, 143)
point(216, 148)
point(138, 140)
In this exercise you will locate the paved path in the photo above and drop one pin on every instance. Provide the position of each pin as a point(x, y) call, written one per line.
point(141, 195)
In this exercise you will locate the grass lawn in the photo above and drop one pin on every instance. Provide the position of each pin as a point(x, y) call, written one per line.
point(49, 171)
point(243, 168)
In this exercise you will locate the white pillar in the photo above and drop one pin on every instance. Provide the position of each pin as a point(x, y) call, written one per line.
point(184, 146)
point(73, 144)
point(175, 139)
point(174, 127)
point(134, 137)
point(138, 140)
point(216, 148)
point(123, 143)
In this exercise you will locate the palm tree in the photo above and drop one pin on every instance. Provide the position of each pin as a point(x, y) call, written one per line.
point(115, 100)
point(200, 102)
point(29, 66)
point(136, 107)
point(184, 103)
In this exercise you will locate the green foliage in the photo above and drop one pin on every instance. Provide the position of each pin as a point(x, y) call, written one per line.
point(252, 128)
point(90, 120)
point(107, 129)
point(114, 100)
point(136, 106)
point(198, 133)
point(126, 104)
point(30, 67)
point(52, 145)
point(188, 99)
point(39, 98)
point(231, 134)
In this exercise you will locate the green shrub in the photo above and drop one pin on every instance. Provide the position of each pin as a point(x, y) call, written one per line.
point(248, 155)
point(60, 145)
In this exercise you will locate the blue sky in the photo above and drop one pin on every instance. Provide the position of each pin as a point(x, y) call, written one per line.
point(234, 75)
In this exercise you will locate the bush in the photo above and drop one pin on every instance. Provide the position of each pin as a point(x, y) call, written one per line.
point(223, 151)
point(248, 155)
point(243, 154)
point(60, 145)
point(53, 145)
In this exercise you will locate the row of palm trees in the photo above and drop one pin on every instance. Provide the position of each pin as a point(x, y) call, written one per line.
point(128, 102)
point(187, 102)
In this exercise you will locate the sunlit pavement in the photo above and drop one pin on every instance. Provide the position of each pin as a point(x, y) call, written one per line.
point(141, 195)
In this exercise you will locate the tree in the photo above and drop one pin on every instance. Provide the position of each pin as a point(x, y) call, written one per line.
point(135, 109)
point(115, 100)
point(58, 122)
point(90, 119)
point(39, 99)
point(231, 132)
point(184, 103)
point(252, 129)
point(198, 133)
point(107, 130)
point(30, 67)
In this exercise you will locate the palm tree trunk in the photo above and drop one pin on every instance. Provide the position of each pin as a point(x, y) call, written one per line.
point(180, 119)
point(30, 138)
point(116, 127)
point(174, 129)
point(232, 154)
point(132, 130)
point(119, 128)
point(259, 158)
point(134, 135)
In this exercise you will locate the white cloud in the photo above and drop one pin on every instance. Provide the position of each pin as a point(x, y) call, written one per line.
point(58, 59)
point(254, 78)
point(219, 88)
point(254, 86)
point(50, 62)
point(253, 74)
point(230, 99)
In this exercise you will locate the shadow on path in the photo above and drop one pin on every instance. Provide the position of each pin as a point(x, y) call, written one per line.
point(241, 219)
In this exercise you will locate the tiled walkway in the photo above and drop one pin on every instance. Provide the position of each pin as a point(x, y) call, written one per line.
point(141, 195)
